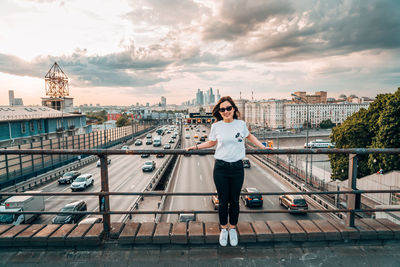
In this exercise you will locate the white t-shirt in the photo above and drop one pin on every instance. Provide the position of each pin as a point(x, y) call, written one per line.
point(230, 137)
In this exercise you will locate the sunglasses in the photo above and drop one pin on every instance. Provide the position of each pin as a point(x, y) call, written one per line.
point(227, 108)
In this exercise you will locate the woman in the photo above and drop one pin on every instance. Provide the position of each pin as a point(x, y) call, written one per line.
point(228, 133)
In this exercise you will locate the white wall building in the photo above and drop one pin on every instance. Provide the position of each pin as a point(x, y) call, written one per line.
point(296, 114)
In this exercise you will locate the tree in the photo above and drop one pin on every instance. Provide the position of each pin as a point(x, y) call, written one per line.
point(326, 124)
point(377, 127)
point(123, 121)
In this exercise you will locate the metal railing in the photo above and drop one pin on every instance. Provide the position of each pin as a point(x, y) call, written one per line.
point(353, 201)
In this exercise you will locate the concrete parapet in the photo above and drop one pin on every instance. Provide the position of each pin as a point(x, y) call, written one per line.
point(303, 233)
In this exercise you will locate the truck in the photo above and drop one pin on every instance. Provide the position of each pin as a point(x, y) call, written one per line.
point(157, 141)
point(21, 203)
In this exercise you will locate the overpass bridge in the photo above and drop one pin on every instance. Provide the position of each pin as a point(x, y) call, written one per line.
point(195, 238)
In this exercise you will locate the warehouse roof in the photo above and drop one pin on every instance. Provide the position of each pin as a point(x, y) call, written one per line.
point(15, 113)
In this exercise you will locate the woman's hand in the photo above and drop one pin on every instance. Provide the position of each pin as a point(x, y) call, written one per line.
point(190, 148)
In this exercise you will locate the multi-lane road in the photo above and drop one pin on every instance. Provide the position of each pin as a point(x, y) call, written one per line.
point(125, 175)
point(192, 174)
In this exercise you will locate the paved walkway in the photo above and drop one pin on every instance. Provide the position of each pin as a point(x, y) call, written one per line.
point(206, 256)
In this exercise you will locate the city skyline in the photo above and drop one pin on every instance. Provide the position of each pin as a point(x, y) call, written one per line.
point(135, 51)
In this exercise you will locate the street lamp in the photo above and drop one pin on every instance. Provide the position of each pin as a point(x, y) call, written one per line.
point(307, 121)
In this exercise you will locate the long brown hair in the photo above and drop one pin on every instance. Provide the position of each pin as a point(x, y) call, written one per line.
point(216, 113)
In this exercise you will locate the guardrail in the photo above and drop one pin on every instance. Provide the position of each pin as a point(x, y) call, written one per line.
point(353, 202)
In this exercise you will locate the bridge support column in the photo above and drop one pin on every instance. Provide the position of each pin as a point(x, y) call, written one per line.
point(353, 200)
point(104, 201)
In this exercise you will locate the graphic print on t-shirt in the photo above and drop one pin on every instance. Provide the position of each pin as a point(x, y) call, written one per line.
point(239, 137)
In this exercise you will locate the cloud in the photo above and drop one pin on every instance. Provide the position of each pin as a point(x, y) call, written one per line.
point(161, 12)
point(239, 17)
point(323, 29)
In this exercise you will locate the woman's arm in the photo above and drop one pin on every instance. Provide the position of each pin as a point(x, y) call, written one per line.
point(255, 141)
point(207, 144)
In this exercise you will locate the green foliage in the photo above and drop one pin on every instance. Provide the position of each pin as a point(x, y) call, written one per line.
point(123, 121)
point(377, 127)
point(100, 116)
point(326, 124)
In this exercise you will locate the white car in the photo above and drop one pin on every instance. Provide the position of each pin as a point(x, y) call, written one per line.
point(91, 220)
point(82, 182)
point(187, 136)
point(98, 162)
point(125, 147)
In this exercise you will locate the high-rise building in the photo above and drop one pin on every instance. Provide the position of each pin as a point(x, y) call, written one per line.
point(11, 97)
point(199, 98)
point(163, 101)
point(218, 96)
point(211, 99)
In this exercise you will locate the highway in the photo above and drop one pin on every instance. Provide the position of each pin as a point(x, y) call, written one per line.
point(194, 174)
point(124, 173)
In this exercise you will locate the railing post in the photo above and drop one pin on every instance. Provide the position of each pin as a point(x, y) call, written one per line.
point(352, 201)
point(104, 201)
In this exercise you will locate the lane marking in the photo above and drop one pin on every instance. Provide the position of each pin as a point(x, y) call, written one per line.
point(201, 178)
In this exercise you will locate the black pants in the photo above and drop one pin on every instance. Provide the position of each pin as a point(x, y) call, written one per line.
point(228, 179)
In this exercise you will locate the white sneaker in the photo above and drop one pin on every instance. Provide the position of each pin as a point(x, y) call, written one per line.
point(223, 237)
point(233, 237)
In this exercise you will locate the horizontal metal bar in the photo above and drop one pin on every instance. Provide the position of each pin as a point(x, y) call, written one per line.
point(359, 151)
point(191, 193)
point(198, 211)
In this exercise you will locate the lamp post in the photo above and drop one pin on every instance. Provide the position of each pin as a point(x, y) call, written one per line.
point(307, 121)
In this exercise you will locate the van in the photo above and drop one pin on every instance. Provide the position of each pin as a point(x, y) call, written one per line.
point(22, 203)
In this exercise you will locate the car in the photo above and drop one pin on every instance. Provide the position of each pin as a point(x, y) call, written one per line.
point(174, 136)
point(187, 217)
point(196, 136)
point(202, 139)
point(205, 136)
point(187, 136)
point(251, 200)
point(198, 142)
point(198, 130)
point(187, 129)
point(215, 201)
point(168, 132)
point(160, 155)
point(149, 142)
point(149, 166)
point(68, 177)
point(167, 146)
point(91, 220)
point(138, 142)
point(294, 203)
point(149, 136)
point(125, 148)
point(99, 162)
point(71, 218)
point(171, 141)
point(246, 163)
point(145, 155)
point(204, 131)
point(82, 182)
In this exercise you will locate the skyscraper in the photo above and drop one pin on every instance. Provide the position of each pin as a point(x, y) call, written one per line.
point(211, 99)
point(163, 101)
point(199, 98)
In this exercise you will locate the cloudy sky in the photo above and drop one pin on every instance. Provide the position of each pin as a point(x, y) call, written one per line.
point(128, 51)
